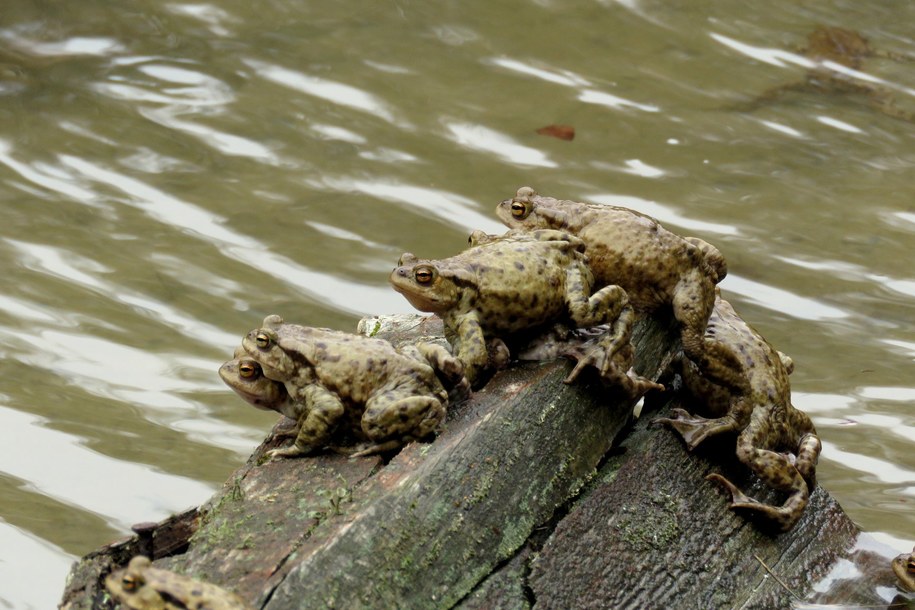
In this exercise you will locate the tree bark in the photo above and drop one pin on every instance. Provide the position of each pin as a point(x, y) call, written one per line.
point(524, 500)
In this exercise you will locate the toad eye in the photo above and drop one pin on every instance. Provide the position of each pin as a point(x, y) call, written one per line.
point(521, 209)
point(262, 340)
point(249, 370)
point(423, 275)
point(130, 582)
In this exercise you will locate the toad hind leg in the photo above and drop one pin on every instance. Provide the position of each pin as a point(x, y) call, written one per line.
point(693, 302)
point(776, 471)
point(782, 517)
point(413, 417)
point(808, 453)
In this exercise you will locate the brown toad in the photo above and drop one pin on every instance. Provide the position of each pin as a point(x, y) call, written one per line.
point(764, 418)
point(904, 568)
point(387, 396)
point(140, 586)
point(632, 252)
point(587, 345)
point(510, 284)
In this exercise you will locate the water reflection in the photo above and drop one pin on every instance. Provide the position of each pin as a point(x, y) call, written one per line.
point(451, 207)
point(338, 93)
point(124, 492)
point(484, 139)
point(663, 213)
point(34, 581)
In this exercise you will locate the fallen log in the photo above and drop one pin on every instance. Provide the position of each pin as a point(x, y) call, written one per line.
point(527, 498)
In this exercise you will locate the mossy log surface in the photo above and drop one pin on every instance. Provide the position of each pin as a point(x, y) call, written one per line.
point(536, 494)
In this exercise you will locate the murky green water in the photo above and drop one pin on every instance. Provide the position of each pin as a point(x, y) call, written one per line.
point(170, 173)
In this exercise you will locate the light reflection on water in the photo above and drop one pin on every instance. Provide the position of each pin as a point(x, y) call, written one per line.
point(168, 180)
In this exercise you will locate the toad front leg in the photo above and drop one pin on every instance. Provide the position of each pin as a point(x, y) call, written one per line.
point(471, 348)
point(613, 354)
point(323, 410)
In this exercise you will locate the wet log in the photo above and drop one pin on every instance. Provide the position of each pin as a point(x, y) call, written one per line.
point(536, 494)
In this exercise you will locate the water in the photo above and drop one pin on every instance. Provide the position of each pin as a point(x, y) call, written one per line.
point(170, 173)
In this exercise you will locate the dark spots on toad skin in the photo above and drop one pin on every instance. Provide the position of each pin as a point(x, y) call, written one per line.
point(519, 265)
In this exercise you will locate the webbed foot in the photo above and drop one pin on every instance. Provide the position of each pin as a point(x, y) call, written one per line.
point(781, 518)
point(288, 452)
point(694, 429)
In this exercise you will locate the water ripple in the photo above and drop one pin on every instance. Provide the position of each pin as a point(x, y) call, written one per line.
point(477, 137)
point(78, 45)
point(883, 470)
point(20, 582)
point(80, 270)
point(59, 471)
point(199, 222)
point(782, 301)
point(662, 213)
point(453, 208)
point(550, 75)
point(332, 91)
point(592, 96)
point(47, 178)
point(226, 143)
point(774, 57)
point(213, 16)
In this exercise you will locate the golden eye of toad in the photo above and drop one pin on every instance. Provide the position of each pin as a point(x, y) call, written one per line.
point(248, 370)
point(519, 210)
point(422, 275)
point(130, 582)
point(262, 340)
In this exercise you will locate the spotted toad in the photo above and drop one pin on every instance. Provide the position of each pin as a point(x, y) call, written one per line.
point(771, 432)
point(511, 284)
point(633, 253)
point(385, 396)
point(140, 586)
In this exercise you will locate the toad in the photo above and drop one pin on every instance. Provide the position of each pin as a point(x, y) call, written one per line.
point(904, 568)
point(385, 396)
point(511, 284)
point(633, 253)
point(140, 586)
point(582, 344)
point(837, 53)
point(775, 440)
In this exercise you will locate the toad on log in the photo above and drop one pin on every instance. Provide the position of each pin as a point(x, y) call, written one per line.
point(535, 494)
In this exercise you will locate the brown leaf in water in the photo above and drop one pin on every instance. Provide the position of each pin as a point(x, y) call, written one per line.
point(563, 132)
